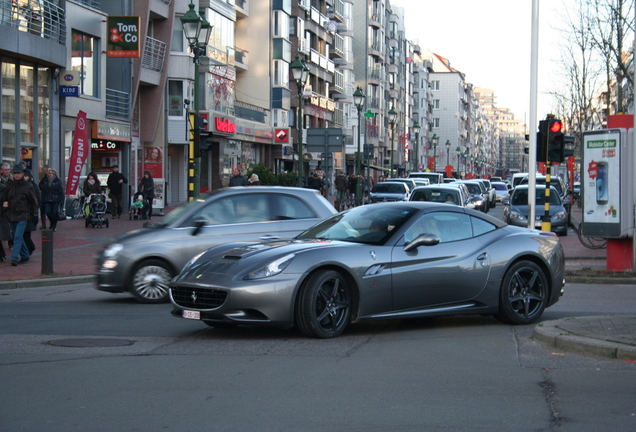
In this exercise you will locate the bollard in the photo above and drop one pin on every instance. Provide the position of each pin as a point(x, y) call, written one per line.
point(47, 251)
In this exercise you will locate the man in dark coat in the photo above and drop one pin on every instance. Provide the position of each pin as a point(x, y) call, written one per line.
point(20, 205)
point(115, 184)
point(237, 179)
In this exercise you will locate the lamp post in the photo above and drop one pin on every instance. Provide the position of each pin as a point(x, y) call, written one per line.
point(359, 99)
point(416, 129)
point(392, 118)
point(435, 141)
point(197, 31)
point(466, 152)
point(458, 151)
point(300, 72)
point(448, 146)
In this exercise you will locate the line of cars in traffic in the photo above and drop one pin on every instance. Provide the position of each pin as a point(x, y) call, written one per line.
point(283, 257)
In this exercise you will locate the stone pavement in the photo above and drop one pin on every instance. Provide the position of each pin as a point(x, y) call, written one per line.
point(75, 248)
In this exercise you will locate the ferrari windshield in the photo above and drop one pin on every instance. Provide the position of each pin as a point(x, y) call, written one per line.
point(370, 224)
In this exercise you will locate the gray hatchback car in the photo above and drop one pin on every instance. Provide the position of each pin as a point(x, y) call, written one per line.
point(145, 260)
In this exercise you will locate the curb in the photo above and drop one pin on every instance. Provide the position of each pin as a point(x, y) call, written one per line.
point(47, 282)
point(601, 280)
point(551, 333)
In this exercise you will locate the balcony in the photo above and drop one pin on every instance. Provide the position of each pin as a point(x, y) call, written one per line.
point(322, 61)
point(44, 19)
point(304, 46)
point(241, 58)
point(337, 11)
point(154, 54)
point(337, 49)
point(242, 8)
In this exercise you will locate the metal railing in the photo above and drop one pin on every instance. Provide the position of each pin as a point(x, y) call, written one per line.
point(154, 54)
point(117, 104)
point(43, 18)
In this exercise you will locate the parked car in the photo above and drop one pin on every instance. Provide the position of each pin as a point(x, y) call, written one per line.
point(421, 181)
point(557, 183)
point(491, 195)
point(517, 210)
point(389, 191)
point(376, 262)
point(145, 260)
point(442, 194)
point(501, 190)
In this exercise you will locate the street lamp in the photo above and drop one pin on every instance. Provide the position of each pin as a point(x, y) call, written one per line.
point(416, 129)
point(359, 99)
point(197, 31)
point(458, 151)
point(392, 119)
point(300, 72)
point(435, 141)
point(448, 146)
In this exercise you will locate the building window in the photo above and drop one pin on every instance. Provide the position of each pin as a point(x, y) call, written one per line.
point(435, 103)
point(85, 60)
point(177, 44)
point(280, 75)
point(435, 122)
point(175, 98)
point(434, 85)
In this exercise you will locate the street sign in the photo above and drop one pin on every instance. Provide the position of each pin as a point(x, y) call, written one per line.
point(325, 139)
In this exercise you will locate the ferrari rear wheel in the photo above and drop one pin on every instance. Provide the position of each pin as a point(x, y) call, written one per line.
point(324, 305)
point(524, 294)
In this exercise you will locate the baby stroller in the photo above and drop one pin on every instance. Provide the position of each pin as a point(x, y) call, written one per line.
point(96, 209)
point(138, 208)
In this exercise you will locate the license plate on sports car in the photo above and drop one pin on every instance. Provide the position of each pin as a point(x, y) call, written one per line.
point(192, 314)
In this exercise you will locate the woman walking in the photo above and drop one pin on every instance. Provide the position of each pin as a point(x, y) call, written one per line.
point(147, 189)
point(52, 197)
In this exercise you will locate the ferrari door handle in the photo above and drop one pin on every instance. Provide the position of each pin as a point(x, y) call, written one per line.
point(270, 237)
point(482, 257)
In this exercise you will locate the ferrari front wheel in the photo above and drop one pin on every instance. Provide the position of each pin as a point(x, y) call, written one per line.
point(324, 305)
point(524, 294)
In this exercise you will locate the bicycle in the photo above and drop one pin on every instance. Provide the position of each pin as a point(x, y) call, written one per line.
point(590, 242)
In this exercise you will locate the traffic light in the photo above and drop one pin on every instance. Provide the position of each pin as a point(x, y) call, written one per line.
point(542, 140)
point(201, 134)
point(556, 141)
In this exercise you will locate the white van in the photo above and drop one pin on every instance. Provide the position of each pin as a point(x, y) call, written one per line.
point(433, 177)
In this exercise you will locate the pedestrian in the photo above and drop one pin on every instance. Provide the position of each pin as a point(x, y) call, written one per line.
point(115, 183)
point(52, 197)
point(147, 189)
point(32, 225)
point(5, 228)
point(314, 181)
point(353, 183)
point(341, 186)
point(20, 203)
point(254, 180)
point(237, 178)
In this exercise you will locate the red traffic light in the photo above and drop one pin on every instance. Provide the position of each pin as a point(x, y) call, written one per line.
point(556, 126)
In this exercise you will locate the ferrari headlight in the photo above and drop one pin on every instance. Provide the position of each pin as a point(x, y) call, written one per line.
point(194, 258)
point(271, 269)
point(112, 250)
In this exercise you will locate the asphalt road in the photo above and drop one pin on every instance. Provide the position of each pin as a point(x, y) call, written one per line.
point(60, 371)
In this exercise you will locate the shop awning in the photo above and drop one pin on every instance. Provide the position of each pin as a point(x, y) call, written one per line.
point(376, 167)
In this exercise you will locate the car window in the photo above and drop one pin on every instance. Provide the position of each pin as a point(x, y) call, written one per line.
point(233, 209)
point(389, 188)
point(290, 207)
point(520, 197)
point(481, 226)
point(446, 225)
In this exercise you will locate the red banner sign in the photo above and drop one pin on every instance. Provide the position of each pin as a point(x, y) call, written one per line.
point(79, 153)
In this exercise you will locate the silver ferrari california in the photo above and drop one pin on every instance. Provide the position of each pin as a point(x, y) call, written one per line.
point(379, 261)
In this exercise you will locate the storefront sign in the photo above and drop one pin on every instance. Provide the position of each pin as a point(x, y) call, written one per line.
point(111, 131)
point(224, 125)
point(123, 36)
point(105, 145)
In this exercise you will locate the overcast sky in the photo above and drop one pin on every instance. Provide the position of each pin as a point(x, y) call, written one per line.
point(489, 41)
